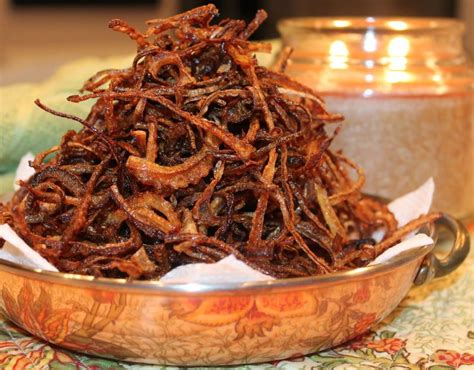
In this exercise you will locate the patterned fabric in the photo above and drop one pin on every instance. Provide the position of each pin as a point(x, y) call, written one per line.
point(433, 328)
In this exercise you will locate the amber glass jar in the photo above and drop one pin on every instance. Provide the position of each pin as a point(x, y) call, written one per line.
point(406, 88)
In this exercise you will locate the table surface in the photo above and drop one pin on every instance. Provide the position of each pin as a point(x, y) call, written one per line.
point(433, 328)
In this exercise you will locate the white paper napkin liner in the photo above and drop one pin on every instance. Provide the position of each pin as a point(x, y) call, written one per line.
point(16, 250)
point(227, 270)
point(24, 171)
point(414, 204)
point(410, 206)
point(416, 241)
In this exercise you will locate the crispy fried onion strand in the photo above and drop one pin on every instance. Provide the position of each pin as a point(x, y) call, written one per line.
point(193, 153)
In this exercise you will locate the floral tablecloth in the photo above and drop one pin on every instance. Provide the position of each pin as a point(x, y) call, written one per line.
point(433, 328)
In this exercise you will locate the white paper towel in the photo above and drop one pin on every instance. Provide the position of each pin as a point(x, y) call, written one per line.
point(16, 250)
point(229, 269)
point(24, 171)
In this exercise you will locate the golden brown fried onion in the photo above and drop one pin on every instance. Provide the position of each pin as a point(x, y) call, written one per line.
point(193, 153)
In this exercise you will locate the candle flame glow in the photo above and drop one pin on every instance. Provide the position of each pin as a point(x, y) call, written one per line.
point(398, 49)
point(338, 55)
point(370, 41)
point(341, 23)
point(397, 25)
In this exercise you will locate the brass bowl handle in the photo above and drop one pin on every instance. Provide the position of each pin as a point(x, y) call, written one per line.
point(432, 266)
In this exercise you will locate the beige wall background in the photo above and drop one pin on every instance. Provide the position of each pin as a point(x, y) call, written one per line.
point(34, 41)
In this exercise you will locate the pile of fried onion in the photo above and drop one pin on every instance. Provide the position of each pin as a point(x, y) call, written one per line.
point(196, 152)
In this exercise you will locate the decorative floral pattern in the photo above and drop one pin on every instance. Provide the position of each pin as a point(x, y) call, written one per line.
point(453, 358)
point(433, 328)
point(37, 315)
point(250, 316)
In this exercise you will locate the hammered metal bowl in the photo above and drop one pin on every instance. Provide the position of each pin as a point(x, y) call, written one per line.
point(219, 324)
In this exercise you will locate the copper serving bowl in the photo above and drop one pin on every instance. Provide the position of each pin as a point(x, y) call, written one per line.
point(219, 324)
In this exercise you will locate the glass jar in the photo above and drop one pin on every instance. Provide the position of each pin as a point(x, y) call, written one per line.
point(406, 89)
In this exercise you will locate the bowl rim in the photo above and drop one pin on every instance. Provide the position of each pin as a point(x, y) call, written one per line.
point(164, 288)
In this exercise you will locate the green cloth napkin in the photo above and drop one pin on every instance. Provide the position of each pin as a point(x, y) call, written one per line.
point(26, 128)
